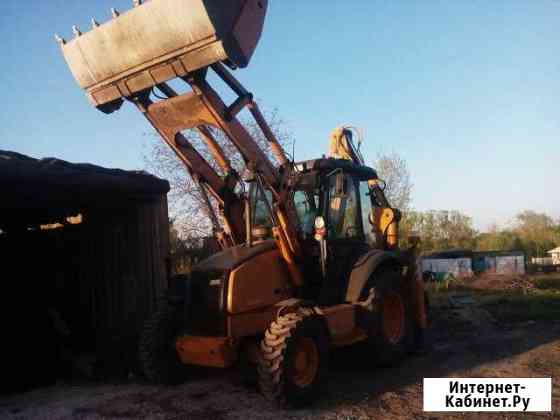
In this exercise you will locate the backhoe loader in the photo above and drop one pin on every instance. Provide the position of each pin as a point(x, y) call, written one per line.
point(309, 256)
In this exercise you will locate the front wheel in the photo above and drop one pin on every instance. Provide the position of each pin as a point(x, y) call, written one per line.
point(293, 363)
point(157, 353)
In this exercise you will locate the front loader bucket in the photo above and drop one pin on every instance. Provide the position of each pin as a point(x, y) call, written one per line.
point(160, 40)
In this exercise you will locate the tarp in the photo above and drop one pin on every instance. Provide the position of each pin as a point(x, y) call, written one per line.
point(49, 175)
point(54, 186)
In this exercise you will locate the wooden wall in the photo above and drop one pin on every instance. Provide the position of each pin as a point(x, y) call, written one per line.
point(102, 276)
point(124, 261)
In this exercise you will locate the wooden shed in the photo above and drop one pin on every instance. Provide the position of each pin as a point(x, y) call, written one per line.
point(83, 254)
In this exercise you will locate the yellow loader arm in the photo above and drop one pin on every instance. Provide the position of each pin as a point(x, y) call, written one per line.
point(137, 52)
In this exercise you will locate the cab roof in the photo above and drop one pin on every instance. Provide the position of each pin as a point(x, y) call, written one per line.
point(325, 165)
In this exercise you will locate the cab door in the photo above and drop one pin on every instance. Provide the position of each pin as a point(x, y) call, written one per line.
point(346, 240)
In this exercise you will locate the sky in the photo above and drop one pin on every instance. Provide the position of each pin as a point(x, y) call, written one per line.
point(467, 92)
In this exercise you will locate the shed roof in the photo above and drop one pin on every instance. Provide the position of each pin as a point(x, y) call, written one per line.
point(448, 254)
point(554, 251)
point(467, 253)
point(500, 253)
point(50, 185)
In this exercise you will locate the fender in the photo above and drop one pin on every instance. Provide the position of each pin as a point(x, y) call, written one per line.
point(363, 268)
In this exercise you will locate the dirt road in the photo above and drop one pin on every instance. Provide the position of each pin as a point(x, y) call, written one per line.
point(467, 342)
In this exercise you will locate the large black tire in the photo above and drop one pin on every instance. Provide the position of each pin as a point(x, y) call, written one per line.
point(293, 364)
point(157, 354)
point(391, 326)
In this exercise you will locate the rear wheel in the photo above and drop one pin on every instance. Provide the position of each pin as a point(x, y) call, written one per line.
point(391, 326)
point(393, 317)
point(293, 364)
point(157, 353)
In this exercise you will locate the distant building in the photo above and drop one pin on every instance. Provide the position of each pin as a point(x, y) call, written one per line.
point(542, 261)
point(465, 263)
point(456, 262)
point(499, 262)
point(555, 255)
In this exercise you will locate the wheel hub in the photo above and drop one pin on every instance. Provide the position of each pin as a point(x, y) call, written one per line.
point(393, 318)
point(306, 362)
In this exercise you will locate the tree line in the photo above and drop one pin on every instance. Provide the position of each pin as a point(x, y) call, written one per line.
point(532, 232)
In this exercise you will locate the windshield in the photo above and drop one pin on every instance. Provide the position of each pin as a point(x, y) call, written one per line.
point(260, 210)
point(306, 203)
point(366, 202)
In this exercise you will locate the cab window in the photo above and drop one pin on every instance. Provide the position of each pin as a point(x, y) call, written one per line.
point(365, 199)
point(344, 211)
point(260, 211)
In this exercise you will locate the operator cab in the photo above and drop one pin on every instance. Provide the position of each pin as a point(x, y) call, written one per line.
point(333, 203)
point(338, 191)
point(336, 203)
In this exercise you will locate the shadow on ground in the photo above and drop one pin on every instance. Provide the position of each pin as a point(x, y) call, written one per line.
point(465, 341)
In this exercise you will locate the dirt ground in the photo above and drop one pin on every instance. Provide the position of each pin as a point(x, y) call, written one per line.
point(466, 342)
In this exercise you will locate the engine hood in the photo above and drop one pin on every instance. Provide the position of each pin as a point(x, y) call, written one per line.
point(232, 257)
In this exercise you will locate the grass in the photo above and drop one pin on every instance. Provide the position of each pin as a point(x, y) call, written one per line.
point(546, 282)
point(514, 305)
point(548, 366)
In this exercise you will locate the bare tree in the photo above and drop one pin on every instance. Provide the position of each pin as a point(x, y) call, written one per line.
point(393, 169)
point(186, 205)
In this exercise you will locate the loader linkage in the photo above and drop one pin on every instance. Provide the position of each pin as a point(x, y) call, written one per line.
point(310, 255)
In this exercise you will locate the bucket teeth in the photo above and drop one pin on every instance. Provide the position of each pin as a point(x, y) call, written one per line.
point(76, 31)
point(114, 12)
point(59, 39)
point(94, 23)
